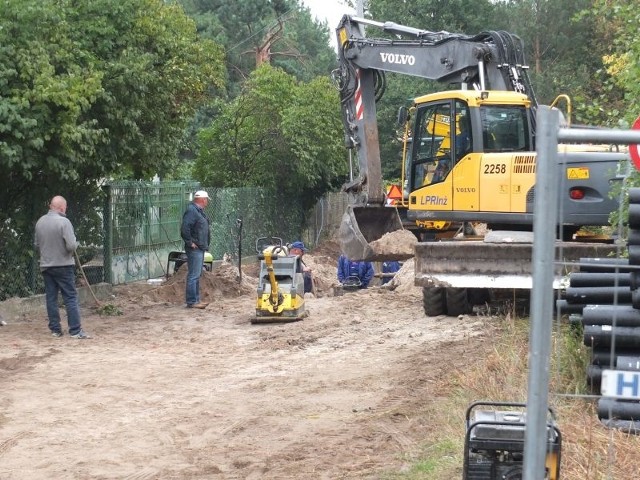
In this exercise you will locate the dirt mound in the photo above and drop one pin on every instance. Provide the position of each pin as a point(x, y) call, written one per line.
point(403, 281)
point(222, 282)
point(327, 252)
point(323, 265)
point(399, 242)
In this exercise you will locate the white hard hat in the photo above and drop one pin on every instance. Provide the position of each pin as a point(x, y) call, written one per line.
point(201, 194)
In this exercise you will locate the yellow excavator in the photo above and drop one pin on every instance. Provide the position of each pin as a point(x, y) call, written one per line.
point(280, 294)
point(470, 154)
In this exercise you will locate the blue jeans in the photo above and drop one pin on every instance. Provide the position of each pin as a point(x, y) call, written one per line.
point(195, 259)
point(63, 280)
point(308, 282)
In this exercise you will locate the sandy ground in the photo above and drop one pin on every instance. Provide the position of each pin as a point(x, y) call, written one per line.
point(165, 392)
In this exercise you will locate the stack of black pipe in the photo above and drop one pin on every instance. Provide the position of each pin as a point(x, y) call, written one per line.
point(601, 281)
point(608, 295)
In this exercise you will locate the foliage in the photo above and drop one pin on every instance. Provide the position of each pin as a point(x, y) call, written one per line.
point(618, 106)
point(282, 33)
point(94, 87)
point(560, 46)
point(91, 89)
point(108, 310)
point(278, 133)
point(618, 27)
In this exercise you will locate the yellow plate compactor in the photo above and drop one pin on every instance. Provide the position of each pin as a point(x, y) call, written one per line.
point(280, 285)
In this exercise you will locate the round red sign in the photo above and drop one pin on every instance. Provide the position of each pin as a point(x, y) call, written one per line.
point(634, 151)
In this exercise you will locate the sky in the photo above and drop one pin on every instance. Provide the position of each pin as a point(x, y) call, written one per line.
point(329, 10)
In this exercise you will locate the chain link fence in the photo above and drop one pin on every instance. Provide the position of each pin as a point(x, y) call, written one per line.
point(138, 226)
point(142, 226)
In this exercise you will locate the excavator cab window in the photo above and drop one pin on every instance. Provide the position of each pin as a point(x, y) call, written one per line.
point(444, 138)
point(504, 128)
point(431, 146)
point(463, 130)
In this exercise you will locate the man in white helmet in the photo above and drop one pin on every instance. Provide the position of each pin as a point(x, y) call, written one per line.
point(197, 236)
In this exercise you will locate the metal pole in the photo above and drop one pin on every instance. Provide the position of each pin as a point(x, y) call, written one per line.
point(107, 223)
point(239, 225)
point(598, 135)
point(544, 222)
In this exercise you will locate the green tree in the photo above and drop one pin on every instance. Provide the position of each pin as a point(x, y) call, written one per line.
point(281, 33)
point(615, 103)
point(562, 47)
point(278, 133)
point(98, 86)
point(90, 89)
point(253, 32)
point(617, 28)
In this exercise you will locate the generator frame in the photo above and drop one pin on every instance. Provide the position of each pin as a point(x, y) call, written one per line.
point(494, 442)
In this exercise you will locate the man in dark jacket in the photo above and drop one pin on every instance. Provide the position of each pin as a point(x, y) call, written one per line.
point(389, 267)
point(351, 269)
point(197, 236)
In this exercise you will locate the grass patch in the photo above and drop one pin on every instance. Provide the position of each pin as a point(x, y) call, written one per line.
point(589, 450)
point(108, 310)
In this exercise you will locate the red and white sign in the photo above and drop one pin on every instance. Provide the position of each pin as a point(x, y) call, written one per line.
point(634, 151)
point(358, 99)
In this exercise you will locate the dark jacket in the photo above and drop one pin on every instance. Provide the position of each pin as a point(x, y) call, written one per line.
point(195, 228)
point(364, 271)
point(389, 267)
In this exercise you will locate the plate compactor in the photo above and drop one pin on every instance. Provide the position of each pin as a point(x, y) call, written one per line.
point(280, 285)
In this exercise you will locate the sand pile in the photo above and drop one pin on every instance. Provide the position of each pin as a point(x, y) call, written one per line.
point(398, 242)
point(403, 281)
point(222, 282)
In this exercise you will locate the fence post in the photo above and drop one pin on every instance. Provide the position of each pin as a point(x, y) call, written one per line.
point(544, 221)
point(108, 235)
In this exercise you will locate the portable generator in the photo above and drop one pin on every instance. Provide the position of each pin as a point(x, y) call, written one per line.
point(494, 442)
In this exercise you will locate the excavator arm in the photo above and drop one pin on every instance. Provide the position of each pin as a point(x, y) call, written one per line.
point(487, 61)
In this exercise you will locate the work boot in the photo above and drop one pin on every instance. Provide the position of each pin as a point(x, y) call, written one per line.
point(199, 305)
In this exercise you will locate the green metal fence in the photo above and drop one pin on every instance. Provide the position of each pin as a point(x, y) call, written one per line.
point(142, 226)
point(145, 224)
point(139, 225)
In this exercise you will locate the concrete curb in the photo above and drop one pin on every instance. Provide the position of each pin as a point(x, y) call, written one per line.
point(17, 309)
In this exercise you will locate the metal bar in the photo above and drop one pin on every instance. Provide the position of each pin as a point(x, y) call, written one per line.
point(545, 215)
point(595, 135)
point(107, 248)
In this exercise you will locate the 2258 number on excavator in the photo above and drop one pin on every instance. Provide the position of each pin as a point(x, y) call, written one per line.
point(495, 168)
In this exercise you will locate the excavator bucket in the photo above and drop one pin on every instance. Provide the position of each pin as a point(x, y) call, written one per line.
point(361, 227)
